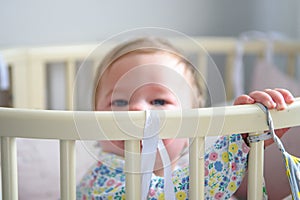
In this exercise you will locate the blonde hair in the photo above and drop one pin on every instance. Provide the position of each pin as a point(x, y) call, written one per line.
point(151, 45)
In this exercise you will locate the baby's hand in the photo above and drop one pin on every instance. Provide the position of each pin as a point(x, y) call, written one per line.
point(272, 99)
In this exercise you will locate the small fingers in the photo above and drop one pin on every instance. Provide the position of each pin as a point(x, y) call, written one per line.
point(264, 98)
point(243, 99)
point(277, 98)
point(287, 95)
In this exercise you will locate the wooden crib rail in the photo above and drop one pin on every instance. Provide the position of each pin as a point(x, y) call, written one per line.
point(68, 126)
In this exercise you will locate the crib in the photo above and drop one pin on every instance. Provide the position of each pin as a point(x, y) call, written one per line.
point(28, 66)
point(29, 118)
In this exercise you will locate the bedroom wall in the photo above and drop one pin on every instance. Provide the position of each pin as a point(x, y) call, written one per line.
point(63, 22)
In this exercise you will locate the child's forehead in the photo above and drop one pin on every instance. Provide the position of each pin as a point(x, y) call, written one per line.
point(151, 62)
point(139, 58)
point(144, 75)
point(135, 70)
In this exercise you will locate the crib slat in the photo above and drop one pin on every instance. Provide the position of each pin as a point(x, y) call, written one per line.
point(196, 167)
point(37, 84)
point(9, 168)
point(20, 84)
point(255, 168)
point(228, 75)
point(70, 76)
point(291, 65)
point(133, 169)
point(67, 170)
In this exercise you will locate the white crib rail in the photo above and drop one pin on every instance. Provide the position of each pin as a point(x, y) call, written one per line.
point(67, 125)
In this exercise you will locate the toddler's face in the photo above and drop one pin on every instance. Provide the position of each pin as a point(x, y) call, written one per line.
point(144, 81)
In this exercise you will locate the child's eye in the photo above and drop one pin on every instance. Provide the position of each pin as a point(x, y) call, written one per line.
point(119, 103)
point(158, 102)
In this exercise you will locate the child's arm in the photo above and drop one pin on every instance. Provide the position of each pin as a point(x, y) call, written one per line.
point(273, 99)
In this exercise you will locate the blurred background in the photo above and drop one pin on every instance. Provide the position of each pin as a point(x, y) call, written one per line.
point(56, 22)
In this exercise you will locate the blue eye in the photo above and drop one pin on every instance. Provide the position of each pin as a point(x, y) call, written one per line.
point(158, 102)
point(119, 103)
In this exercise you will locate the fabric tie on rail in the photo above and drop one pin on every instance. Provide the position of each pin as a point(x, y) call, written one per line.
point(292, 163)
point(169, 186)
point(150, 144)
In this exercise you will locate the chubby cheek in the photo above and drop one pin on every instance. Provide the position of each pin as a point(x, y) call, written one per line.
point(116, 147)
point(175, 147)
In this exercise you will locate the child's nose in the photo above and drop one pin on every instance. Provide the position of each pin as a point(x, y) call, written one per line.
point(137, 106)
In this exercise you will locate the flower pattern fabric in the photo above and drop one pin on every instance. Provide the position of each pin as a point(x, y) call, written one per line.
point(225, 165)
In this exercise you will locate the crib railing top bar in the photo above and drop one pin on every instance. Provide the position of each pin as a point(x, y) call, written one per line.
point(228, 44)
point(88, 125)
point(211, 44)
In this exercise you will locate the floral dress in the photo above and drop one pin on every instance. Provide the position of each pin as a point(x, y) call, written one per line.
point(225, 165)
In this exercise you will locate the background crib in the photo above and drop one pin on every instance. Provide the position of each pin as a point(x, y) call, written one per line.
point(29, 69)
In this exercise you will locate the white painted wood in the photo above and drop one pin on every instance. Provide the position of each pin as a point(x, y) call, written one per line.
point(67, 169)
point(255, 170)
point(133, 169)
point(72, 125)
point(9, 168)
point(196, 170)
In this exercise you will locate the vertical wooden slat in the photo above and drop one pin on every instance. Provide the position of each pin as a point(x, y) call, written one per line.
point(37, 83)
point(133, 169)
point(67, 170)
point(230, 58)
point(196, 162)
point(255, 168)
point(70, 77)
point(20, 85)
point(291, 65)
point(9, 168)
